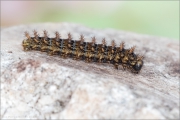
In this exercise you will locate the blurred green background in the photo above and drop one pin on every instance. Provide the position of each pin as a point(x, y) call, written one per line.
point(159, 18)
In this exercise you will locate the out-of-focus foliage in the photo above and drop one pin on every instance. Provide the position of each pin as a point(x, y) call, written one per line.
point(159, 18)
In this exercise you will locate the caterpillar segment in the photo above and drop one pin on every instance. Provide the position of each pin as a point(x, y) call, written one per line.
point(87, 51)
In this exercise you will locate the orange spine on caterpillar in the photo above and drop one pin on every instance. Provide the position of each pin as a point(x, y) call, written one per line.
point(87, 51)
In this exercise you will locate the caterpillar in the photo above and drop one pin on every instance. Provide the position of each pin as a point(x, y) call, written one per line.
point(87, 51)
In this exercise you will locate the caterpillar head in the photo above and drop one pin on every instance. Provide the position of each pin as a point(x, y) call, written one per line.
point(138, 65)
point(135, 61)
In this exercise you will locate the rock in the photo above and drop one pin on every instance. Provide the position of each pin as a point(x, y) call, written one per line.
point(35, 85)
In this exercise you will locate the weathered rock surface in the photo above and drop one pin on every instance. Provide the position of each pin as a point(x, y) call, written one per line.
point(35, 85)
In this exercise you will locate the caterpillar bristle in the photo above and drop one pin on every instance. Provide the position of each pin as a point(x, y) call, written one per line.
point(140, 57)
point(69, 36)
point(121, 46)
point(82, 38)
point(35, 34)
point(57, 35)
point(45, 34)
point(132, 49)
point(113, 43)
point(104, 41)
point(94, 40)
point(87, 51)
point(27, 35)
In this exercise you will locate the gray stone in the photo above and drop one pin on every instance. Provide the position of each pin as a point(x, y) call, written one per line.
point(35, 85)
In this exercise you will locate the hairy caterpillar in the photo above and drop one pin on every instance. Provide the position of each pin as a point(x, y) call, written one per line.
point(87, 51)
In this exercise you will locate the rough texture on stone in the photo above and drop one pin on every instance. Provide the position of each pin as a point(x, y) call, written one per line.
point(35, 85)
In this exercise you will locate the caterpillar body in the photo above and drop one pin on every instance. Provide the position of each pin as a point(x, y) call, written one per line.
point(87, 51)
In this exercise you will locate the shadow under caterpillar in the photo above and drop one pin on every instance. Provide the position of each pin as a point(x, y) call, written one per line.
point(81, 50)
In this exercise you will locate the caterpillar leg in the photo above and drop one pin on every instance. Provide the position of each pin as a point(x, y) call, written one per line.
point(124, 66)
point(116, 66)
point(50, 53)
